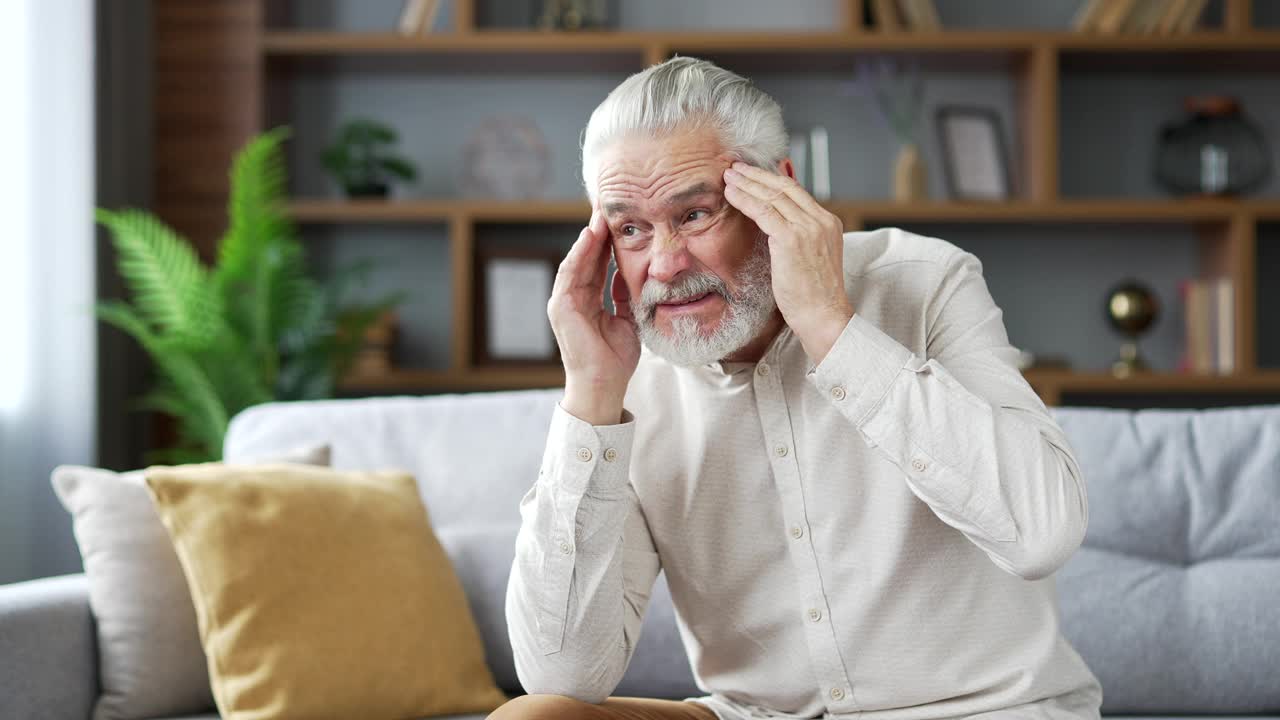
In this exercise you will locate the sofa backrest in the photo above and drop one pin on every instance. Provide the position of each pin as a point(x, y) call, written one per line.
point(1174, 597)
point(1171, 600)
point(474, 457)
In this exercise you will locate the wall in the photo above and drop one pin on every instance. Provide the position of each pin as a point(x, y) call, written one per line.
point(1109, 121)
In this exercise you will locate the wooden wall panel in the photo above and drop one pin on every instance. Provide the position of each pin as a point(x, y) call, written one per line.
point(206, 104)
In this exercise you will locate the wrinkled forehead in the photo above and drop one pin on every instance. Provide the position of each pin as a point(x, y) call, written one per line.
point(675, 196)
point(652, 173)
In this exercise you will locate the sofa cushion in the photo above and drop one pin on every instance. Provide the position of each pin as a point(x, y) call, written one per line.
point(1172, 599)
point(150, 660)
point(322, 593)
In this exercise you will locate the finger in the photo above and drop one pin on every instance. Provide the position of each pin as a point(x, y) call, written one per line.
point(579, 267)
point(764, 214)
point(786, 206)
point(621, 297)
point(784, 183)
point(599, 224)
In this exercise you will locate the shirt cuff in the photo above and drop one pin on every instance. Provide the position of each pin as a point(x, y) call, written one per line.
point(591, 459)
point(860, 367)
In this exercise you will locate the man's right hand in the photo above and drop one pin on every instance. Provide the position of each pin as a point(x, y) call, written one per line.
point(599, 351)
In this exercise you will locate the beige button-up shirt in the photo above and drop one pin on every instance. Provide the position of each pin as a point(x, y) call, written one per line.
point(872, 538)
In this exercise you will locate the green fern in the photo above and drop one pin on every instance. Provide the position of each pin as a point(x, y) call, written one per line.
point(253, 328)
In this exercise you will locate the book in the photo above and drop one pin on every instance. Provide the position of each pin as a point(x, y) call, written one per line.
point(1156, 12)
point(1209, 314)
point(412, 15)
point(929, 14)
point(887, 19)
point(920, 15)
point(1144, 16)
point(820, 162)
point(1195, 353)
point(1191, 18)
point(1113, 16)
point(1226, 323)
point(428, 23)
point(1086, 19)
point(906, 12)
point(1172, 15)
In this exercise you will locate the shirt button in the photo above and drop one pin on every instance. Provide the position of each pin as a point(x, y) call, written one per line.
point(918, 465)
point(610, 455)
point(837, 694)
point(815, 614)
point(837, 393)
point(797, 532)
point(565, 547)
point(584, 454)
point(781, 450)
point(762, 368)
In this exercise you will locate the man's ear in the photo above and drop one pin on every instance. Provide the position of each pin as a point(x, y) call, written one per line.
point(785, 167)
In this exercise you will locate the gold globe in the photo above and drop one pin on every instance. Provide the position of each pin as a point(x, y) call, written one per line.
point(1131, 309)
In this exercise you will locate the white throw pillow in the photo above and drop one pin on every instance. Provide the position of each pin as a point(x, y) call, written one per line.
point(150, 660)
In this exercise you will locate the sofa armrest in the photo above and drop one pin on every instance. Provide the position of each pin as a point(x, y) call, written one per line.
point(48, 650)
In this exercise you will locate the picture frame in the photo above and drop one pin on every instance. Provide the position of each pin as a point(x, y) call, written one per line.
point(512, 287)
point(974, 158)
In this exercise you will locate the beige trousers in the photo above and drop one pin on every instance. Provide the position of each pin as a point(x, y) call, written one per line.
point(559, 707)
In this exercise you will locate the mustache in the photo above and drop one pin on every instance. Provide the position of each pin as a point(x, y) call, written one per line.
point(656, 292)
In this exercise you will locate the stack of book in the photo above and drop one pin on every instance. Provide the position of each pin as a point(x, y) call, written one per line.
point(1143, 17)
point(418, 16)
point(1209, 306)
point(899, 15)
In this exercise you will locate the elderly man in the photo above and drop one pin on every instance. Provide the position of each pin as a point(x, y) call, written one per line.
point(821, 436)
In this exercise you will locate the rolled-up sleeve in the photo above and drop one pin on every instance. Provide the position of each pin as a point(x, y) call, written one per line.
point(585, 563)
point(970, 435)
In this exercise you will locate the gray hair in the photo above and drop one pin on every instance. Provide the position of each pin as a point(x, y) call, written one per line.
point(688, 92)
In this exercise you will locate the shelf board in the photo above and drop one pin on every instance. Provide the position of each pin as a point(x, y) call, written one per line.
point(309, 42)
point(433, 210)
point(574, 211)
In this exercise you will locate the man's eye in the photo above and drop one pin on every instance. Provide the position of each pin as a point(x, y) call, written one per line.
point(691, 214)
point(625, 228)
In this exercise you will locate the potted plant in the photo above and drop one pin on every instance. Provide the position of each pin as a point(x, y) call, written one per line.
point(253, 328)
point(359, 161)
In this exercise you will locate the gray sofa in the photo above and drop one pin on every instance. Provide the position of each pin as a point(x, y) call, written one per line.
point(1173, 600)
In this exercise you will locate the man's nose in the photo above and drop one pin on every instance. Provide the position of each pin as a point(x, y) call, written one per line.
point(669, 256)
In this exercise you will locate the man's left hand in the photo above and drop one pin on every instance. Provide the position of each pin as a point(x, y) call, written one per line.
point(806, 250)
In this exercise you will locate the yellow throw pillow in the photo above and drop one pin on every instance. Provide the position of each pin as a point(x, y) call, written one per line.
point(322, 594)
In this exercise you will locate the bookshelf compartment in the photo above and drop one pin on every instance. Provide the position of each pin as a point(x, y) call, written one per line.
point(863, 150)
point(409, 257)
point(353, 16)
point(1050, 281)
point(543, 243)
point(683, 16)
point(1110, 124)
point(1267, 329)
point(436, 117)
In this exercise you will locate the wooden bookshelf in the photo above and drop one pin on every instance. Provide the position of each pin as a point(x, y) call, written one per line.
point(1065, 211)
point(283, 43)
point(1034, 59)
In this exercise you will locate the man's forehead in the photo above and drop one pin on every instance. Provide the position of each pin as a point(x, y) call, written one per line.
point(680, 195)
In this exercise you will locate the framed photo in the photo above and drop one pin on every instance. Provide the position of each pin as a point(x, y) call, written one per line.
point(973, 153)
point(512, 287)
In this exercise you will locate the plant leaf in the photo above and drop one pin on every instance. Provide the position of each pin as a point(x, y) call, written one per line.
point(169, 285)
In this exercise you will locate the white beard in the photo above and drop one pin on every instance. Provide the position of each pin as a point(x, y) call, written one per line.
point(748, 312)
